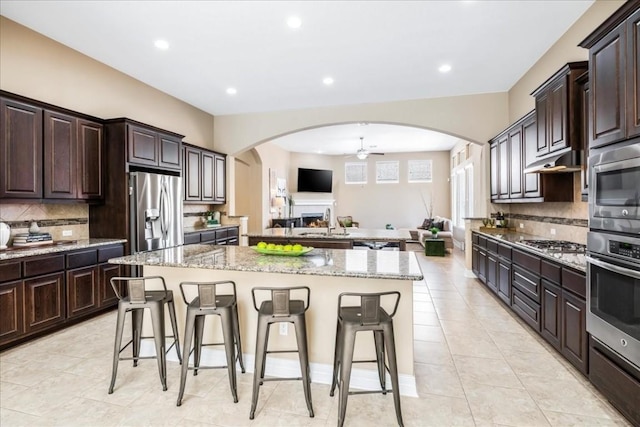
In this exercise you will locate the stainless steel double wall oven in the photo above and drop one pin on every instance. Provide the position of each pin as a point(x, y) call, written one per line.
point(613, 246)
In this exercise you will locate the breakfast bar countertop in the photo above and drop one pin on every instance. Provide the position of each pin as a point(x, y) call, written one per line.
point(56, 246)
point(359, 234)
point(395, 265)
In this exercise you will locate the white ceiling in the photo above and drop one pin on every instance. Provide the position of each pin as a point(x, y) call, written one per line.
point(375, 51)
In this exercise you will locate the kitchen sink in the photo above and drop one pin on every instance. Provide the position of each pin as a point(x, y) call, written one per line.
point(314, 233)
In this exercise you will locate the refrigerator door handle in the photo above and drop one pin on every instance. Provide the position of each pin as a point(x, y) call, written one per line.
point(166, 217)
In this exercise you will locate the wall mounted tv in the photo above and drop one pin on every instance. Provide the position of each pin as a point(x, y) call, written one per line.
point(314, 180)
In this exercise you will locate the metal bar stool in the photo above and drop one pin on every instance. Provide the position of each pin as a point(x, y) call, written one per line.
point(209, 302)
point(368, 316)
point(140, 298)
point(280, 308)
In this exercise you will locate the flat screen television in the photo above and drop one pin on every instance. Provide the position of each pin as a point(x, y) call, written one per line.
point(314, 180)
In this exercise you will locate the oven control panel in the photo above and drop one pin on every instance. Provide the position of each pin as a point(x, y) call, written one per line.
point(624, 249)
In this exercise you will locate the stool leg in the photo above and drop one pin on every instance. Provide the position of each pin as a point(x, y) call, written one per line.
point(378, 338)
point(122, 311)
point(227, 321)
point(266, 348)
point(137, 315)
point(186, 350)
point(236, 333)
point(346, 359)
point(197, 346)
point(261, 336)
point(174, 327)
point(303, 353)
point(390, 343)
point(157, 320)
point(336, 359)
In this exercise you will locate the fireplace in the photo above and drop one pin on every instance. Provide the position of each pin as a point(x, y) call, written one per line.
point(310, 218)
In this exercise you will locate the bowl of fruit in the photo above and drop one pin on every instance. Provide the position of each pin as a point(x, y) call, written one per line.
point(283, 250)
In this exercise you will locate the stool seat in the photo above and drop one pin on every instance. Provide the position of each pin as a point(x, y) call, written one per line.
point(138, 299)
point(368, 316)
point(281, 308)
point(209, 301)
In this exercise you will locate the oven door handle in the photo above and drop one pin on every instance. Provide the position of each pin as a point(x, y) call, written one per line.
point(614, 268)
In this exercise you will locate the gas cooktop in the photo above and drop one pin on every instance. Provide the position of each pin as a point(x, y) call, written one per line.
point(556, 246)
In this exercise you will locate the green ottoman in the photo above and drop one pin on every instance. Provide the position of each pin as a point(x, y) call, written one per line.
point(434, 247)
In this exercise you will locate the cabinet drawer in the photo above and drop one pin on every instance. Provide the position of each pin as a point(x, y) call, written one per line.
point(474, 238)
point(105, 254)
point(10, 271)
point(191, 238)
point(82, 259)
point(528, 310)
point(221, 234)
point(482, 241)
point(531, 262)
point(492, 246)
point(575, 282)
point(550, 271)
point(527, 283)
point(38, 266)
point(207, 236)
point(233, 232)
point(504, 251)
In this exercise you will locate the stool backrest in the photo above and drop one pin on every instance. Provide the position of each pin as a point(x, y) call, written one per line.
point(281, 298)
point(137, 287)
point(207, 292)
point(370, 304)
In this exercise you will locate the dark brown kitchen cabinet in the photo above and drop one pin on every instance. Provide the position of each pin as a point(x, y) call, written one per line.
point(614, 55)
point(574, 330)
point(558, 110)
point(11, 310)
point(551, 314)
point(515, 163)
point(583, 82)
point(20, 150)
point(105, 272)
point(494, 169)
point(44, 302)
point(150, 147)
point(504, 167)
point(225, 235)
point(504, 280)
point(82, 291)
point(204, 175)
point(492, 271)
point(90, 159)
point(532, 187)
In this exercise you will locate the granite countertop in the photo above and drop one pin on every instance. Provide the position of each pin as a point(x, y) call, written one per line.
point(199, 228)
point(360, 234)
point(58, 246)
point(319, 262)
point(574, 260)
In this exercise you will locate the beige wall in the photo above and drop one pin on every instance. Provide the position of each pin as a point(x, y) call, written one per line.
point(37, 67)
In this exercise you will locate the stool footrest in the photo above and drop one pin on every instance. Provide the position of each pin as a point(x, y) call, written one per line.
point(281, 351)
point(193, 368)
point(371, 391)
point(138, 358)
point(281, 379)
point(365, 361)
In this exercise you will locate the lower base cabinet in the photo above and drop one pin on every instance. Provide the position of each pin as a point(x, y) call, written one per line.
point(551, 314)
point(41, 294)
point(574, 331)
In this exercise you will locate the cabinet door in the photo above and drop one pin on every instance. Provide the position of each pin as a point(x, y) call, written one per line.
point(633, 75)
point(59, 156)
point(20, 150)
point(551, 313)
point(606, 77)
point(492, 271)
point(495, 170)
point(504, 281)
point(482, 265)
point(11, 316)
point(82, 291)
point(557, 116)
point(90, 152)
point(475, 259)
point(504, 167)
point(584, 173)
point(221, 179)
point(574, 330)
point(105, 273)
point(542, 120)
point(44, 301)
point(192, 174)
point(208, 177)
point(531, 181)
point(515, 168)
point(170, 151)
point(142, 146)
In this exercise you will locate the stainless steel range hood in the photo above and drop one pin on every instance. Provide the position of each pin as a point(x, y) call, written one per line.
point(566, 160)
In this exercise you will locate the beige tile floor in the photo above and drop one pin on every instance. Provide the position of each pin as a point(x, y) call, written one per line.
point(476, 364)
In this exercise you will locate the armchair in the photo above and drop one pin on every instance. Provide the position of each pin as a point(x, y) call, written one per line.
point(347, 221)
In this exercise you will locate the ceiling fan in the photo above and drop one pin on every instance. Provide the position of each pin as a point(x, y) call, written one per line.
point(362, 153)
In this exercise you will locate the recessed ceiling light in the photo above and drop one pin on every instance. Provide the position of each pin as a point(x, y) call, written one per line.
point(445, 68)
point(327, 81)
point(294, 22)
point(162, 44)
point(231, 91)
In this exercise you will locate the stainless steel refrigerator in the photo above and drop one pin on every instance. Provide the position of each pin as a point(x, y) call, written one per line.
point(156, 211)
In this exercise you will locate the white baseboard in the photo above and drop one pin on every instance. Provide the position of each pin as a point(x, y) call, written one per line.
point(364, 379)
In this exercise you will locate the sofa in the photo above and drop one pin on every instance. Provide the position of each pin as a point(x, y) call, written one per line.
point(446, 233)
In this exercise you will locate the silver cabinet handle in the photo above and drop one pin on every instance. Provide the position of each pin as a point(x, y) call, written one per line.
point(614, 268)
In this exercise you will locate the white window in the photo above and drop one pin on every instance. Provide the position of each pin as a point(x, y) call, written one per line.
point(462, 194)
point(388, 172)
point(419, 171)
point(355, 173)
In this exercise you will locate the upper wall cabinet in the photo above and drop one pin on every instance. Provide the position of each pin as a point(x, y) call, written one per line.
point(204, 175)
point(614, 79)
point(49, 153)
point(558, 110)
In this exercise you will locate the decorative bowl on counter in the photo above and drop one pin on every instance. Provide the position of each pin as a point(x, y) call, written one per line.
point(266, 251)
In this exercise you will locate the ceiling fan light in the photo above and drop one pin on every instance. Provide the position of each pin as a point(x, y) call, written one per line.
point(361, 155)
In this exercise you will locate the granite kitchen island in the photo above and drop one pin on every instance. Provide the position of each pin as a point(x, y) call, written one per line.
point(340, 238)
point(327, 272)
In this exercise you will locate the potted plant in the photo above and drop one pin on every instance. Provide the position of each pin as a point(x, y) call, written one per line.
point(434, 232)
